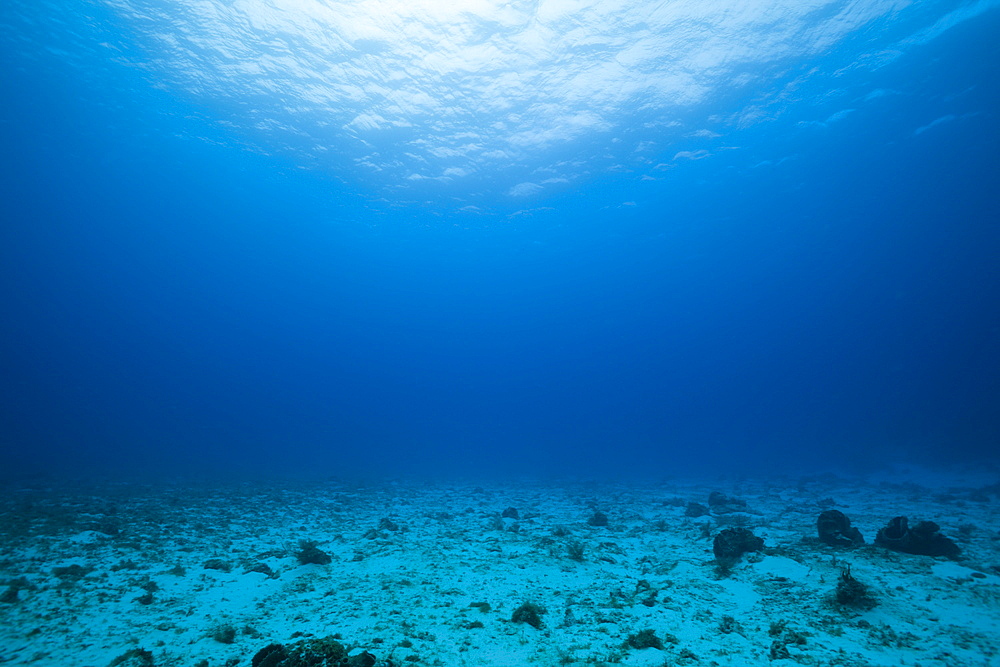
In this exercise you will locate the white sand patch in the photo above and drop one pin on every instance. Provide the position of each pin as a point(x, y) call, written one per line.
point(780, 567)
point(87, 537)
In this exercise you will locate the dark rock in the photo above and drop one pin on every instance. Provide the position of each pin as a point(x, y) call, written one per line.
point(225, 634)
point(261, 568)
point(217, 564)
point(108, 525)
point(363, 659)
point(729, 625)
point(779, 651)
point(325, 652)
point(720, 503)
point(695, 510)
point(732, 543)
point(716, 498)
point(510, 513)
point(271, 655)
point(388, 524)
point(13, 587)
point(923, 539)
point(71, 571)
point(835, 529)
point(136, 657)
point(598, 519)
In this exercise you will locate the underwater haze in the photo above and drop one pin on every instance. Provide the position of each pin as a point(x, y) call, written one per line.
point(547, 237)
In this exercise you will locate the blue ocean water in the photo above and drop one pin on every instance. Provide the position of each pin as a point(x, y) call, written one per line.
point(333, 238)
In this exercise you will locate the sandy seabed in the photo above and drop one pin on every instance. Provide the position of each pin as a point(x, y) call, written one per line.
point(431, 573)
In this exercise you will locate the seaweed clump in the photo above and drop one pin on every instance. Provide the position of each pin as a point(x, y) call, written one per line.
point(529, 613)
point(310, 554)
point(644, 639)
point(852, 593)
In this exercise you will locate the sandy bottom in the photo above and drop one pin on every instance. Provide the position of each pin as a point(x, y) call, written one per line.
point(431, 574)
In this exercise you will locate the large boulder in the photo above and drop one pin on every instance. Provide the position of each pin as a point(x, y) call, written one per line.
point(732, 543)
point(835, 529)
point(324, 652)
point(923, 538)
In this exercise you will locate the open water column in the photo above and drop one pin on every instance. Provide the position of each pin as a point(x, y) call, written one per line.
point(496, 333)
